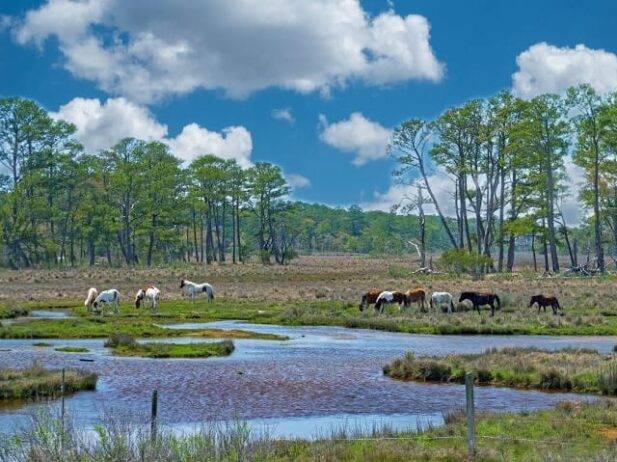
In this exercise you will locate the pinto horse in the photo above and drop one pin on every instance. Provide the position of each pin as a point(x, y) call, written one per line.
point(543, 302)
point(369, 298)
point(479, 299)
point(387, 297)
point(415, 296)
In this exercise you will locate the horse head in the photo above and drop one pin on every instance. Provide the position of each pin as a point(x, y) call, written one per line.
point(464, 296)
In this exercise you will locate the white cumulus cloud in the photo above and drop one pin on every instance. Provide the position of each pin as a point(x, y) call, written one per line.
point(102, 124)
point(545, 68)
point(149, 49)
point(366, 139)
point(231, 143)
point(297, 181)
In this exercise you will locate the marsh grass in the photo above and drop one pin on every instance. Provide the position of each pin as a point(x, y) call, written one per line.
point(127, 345)
point(39, 382)
point(569, 432)
point(13, 311)
point(72, 349)
point(579, 370)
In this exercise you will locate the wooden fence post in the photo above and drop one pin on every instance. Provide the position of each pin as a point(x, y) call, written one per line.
point(153, 413)
point(62, 392)
point(470, 412)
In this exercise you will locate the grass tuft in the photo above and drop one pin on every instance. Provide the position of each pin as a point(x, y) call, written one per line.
point(579, 370)
point(126, 345)
point(38, 382)
point(72, 349)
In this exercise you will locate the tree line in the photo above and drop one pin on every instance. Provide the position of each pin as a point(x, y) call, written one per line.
point(505, 160)
point(136, 204)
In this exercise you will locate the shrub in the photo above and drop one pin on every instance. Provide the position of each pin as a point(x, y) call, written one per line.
point(553, 379)
point(463, 261)
point(607, 381)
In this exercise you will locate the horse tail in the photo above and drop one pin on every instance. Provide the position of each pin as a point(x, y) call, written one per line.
point(452, 305)
point(558, 305)
point(497, 300)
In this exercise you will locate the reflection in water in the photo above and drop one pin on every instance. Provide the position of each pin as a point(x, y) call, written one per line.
point(321, 378)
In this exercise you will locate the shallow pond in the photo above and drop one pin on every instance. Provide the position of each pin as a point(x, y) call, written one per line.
point(321, 379)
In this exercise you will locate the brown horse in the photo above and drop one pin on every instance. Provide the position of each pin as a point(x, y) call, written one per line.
point(543, 302)
point(369, 298)
point(480, 299)
point(416, 296)
point(387, 297)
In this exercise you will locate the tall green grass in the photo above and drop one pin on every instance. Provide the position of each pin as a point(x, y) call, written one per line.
point(569, 432)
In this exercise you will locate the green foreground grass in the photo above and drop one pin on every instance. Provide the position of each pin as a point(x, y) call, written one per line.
point(569, 432)
point(579, 370)
point(38, 382)
point(510, 320)
point(126, 345)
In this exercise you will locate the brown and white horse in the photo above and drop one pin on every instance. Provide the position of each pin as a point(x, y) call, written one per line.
point(543, 302)
point(416, 296)
point(387, 297)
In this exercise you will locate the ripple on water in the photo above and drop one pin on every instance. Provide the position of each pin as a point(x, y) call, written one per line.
point(321, 375)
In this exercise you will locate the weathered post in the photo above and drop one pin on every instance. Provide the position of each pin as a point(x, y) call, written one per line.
point(62, 390)
point(153, 413)
point(470, 412)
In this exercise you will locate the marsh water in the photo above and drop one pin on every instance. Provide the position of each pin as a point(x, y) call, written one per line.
point(319, 380)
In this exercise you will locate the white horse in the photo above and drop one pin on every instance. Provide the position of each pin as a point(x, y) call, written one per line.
point(111, 297)
point(92, 293)
point(193, 289)
point(441, 299)
point(151, 293)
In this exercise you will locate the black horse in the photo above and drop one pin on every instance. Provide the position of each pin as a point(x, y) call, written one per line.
point(480, 299)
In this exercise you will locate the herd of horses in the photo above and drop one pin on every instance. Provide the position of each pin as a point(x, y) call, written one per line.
point(95, 301)
point(444, 300)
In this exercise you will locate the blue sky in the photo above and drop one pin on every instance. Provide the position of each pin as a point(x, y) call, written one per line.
point(474, 44)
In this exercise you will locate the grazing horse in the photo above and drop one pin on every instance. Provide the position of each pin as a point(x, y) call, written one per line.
point(151, 293)
point(193, 289)
point(479, 299)
point(415, 295)
point(387, 297)
point(369, 298)
point(108, 297)
point(441, 299)
point(92, 293)
point(543, 302)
